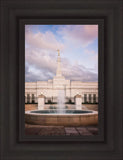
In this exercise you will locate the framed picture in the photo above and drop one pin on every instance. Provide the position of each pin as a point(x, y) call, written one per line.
point(61, 80)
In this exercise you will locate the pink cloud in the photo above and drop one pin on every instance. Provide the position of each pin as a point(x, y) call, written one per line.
point(41, 59)
point(92, 52)
point(79, 34)
point(43, 67)
point(91, 31)
point(42, 40)
point(41, 52)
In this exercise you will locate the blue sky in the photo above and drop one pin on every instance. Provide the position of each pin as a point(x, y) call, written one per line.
point(78, 46)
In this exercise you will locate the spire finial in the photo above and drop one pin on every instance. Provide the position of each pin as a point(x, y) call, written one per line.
point(58, 52)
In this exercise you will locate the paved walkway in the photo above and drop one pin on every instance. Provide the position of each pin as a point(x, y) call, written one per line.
point(59, 130)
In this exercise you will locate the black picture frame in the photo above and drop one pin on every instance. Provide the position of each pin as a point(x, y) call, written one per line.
point(100, 23)
point(108, 15)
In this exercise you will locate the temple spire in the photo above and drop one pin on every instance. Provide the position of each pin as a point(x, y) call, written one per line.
point(58, 52)
point(58, 71)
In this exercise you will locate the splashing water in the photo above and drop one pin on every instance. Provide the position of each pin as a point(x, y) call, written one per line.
point(61, 102)
point(84, 108)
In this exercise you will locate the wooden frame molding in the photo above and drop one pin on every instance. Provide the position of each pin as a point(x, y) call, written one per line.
point(108, 15)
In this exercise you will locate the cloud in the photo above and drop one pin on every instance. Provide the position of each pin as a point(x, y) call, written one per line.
point(79, 34)
point(40, 53)
point(40, 40)
point(41, 59)
point(34, 74)
point(78, 72)
point(44, 68)
point(92, 57)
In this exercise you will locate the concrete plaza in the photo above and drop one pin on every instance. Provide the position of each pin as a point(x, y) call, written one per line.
point(60, 130)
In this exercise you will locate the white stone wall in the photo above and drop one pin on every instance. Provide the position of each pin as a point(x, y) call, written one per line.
point(50, 88)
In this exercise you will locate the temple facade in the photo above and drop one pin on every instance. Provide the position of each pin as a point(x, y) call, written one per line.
point(86, 91)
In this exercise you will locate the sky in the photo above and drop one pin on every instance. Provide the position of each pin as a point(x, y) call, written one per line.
point(78, 45)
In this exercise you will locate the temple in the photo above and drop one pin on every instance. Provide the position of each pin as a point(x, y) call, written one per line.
point(75, 91)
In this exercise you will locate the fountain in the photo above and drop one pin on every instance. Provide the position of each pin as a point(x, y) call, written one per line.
point(68, 118)
point(61, 116)
point(61, 102)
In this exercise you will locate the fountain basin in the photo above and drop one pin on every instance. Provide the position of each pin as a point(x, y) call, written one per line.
point(68, 118)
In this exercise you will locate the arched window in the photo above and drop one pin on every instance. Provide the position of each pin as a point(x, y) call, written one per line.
point(28, 98)
point(94, 98)
point(89, 98)
point(33, 98)
point(85, 98)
